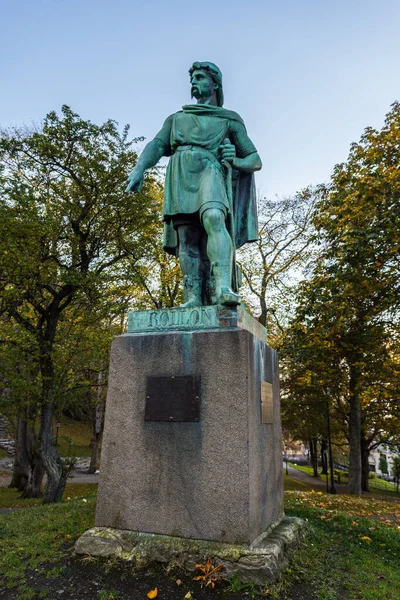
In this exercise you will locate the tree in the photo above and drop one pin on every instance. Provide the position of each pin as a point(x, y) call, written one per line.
point(383, 466)
point(396, 471)
point(353, 292)
point(19, 359)
point(272, 265)
point(351, 300)
point(379, 401)
point(312, 379)
point(66, 227)
point(157, 280)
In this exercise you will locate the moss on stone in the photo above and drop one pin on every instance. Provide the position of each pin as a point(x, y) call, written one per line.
point(259, 562)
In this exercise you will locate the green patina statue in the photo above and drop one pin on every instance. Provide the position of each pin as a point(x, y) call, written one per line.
point(209, 201)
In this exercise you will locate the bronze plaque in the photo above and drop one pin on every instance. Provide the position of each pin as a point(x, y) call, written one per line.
point(267, 402)
point(174, 398)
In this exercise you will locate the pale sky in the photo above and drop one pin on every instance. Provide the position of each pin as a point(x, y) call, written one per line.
point(307, 76)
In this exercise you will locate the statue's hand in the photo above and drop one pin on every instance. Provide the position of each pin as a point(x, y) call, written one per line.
point(135, 181)
point(228, 153)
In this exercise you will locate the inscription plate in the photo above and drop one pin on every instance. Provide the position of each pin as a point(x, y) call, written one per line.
point(196, 318)
point(267, 402)
point(173, 399)
point(172, 319)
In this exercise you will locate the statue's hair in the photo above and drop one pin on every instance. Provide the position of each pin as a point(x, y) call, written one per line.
point(213, 71)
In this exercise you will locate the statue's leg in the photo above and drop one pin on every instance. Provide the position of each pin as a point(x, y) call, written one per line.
point(220, 254)
point(208, 281)
point(191, 264)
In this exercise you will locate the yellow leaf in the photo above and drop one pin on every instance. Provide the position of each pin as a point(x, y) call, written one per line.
point(320, 493)
point(188, 596)
point(366, 539)
point(153, 593)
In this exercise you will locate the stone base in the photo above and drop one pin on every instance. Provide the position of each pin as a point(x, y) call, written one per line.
point(217, 476)
point(260, 562)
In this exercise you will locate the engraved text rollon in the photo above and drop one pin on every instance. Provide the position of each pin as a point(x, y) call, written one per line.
point(173, 319)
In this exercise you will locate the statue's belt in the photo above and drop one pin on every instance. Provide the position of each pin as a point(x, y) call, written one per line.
point(203, 150)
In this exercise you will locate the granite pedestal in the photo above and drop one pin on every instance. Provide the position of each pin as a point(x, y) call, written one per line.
point(218, 478)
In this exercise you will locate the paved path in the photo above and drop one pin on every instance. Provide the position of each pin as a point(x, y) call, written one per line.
point(79, 475)
point(315, 483)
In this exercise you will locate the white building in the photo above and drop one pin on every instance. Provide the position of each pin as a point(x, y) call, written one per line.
point(374, 459)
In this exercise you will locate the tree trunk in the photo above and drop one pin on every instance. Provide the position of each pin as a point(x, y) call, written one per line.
point(324, 457)
point(314, 456)
point(51, 460)
point(365, 464)
point(21, 460)
point(33, 488)
point(97, 425)
point(355, 430)
point(34, 485)
point(264, 311)
point(56, 475)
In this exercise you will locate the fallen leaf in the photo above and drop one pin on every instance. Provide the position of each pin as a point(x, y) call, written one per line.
point(178, 582)
point(188, 596)
point(366, 539)
point(153, 593)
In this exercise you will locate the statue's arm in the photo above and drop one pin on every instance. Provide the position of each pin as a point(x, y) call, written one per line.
point(150, 156)
point(152, 153)
point(241, 152)
point(249, 164)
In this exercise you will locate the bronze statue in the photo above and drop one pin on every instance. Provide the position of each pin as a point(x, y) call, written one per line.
point(209, 200)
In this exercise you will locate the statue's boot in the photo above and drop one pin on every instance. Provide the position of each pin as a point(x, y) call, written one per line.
point(223, 276)
point(192, 287)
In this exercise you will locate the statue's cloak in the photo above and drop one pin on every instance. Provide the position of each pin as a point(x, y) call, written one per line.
point(243, 190)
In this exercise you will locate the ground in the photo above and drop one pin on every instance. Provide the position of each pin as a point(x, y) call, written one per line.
point(98, 581)
point(350, 550)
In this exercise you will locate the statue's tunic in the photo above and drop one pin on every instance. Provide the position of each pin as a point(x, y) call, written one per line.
point(195, 177)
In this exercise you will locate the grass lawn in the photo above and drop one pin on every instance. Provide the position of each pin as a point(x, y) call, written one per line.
point(349, 550)
point(381, 485)
point(73, 437)
point(304, 469)
point(11, 498)
point(351, 547)
point(375, 484)
point(291, 484)
point(35, 539)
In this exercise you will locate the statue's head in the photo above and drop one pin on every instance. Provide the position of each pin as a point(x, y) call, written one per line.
point(213, 72)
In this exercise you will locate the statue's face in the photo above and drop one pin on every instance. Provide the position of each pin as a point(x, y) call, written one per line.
point(202, 85)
